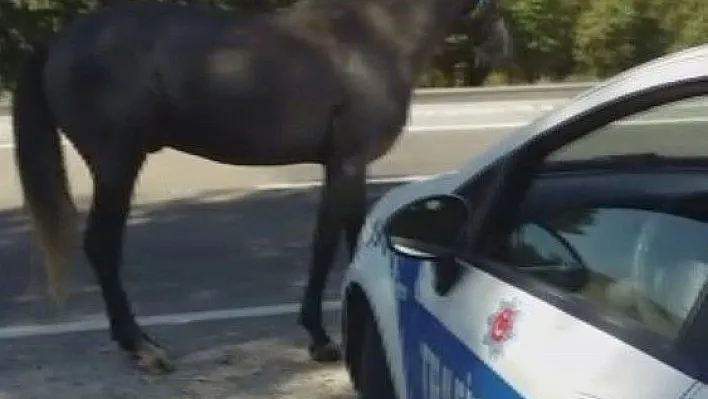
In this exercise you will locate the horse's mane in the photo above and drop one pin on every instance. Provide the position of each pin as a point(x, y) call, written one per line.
point(400, 23)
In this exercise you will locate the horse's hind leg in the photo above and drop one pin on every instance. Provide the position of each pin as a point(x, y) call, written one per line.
point(355, 218)
point(114, 175)
point(342, 206)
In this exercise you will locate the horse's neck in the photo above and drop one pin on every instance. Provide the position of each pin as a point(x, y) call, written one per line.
point(411, 28)
point(417, 26)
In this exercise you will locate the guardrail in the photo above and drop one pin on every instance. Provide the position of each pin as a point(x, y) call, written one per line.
point(477, 94)
point(500, 93)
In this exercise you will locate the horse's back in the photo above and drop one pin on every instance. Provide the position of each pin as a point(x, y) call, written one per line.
point(109, 58)
point(196, 71)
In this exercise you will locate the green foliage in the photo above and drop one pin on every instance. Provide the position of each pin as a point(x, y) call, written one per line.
point(613, 35)
point(685, 22)
point(543, 37)
point(553, 39)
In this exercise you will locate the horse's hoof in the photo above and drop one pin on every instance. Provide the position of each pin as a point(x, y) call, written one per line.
point(152, 359)
point(325, 353)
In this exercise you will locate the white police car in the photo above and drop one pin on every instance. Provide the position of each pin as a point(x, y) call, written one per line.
point(568, 261)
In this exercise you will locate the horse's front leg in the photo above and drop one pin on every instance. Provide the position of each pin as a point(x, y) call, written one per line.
point(342, 206)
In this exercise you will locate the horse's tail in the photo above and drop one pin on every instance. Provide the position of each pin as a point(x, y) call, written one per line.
point(40, 161)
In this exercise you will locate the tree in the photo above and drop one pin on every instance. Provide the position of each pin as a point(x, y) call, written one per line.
point(20, 25)
point(684, 22)
point(613, 35)
point(552, 38)
point(543, 36)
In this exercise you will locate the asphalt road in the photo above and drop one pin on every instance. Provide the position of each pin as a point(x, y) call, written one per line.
point(433, 116)
point(219, 242)
point(203, 237)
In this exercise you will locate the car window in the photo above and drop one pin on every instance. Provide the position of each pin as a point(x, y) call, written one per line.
point(533, 244)
point(676, 129)
point(646, 265)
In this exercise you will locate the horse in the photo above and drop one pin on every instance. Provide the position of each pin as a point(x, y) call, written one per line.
point(324, 82)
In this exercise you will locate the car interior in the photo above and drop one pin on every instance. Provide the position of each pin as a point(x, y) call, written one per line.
point(634, 237)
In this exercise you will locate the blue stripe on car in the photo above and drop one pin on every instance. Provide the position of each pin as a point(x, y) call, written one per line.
point(439, 365)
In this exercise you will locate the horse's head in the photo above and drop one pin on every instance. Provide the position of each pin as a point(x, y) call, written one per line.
point(488, 32)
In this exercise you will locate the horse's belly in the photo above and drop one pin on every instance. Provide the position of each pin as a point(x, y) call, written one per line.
point(251, 147)
point(245, 158)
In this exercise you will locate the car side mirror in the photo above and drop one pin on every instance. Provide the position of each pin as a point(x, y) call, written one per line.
point(430, 228)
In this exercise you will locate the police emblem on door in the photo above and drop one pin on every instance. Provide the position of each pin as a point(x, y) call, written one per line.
point(500, 327)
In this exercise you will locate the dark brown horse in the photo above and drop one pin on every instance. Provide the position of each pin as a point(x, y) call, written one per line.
point(324, 81)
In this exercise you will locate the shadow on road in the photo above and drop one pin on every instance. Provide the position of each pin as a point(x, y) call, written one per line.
point(213, 250)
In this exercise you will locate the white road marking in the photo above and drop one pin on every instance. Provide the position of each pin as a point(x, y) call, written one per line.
point(469, 128)
point(414, 130)
point(99, 322)
point(442, 110)
point(318, 183)
point(438, 129)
